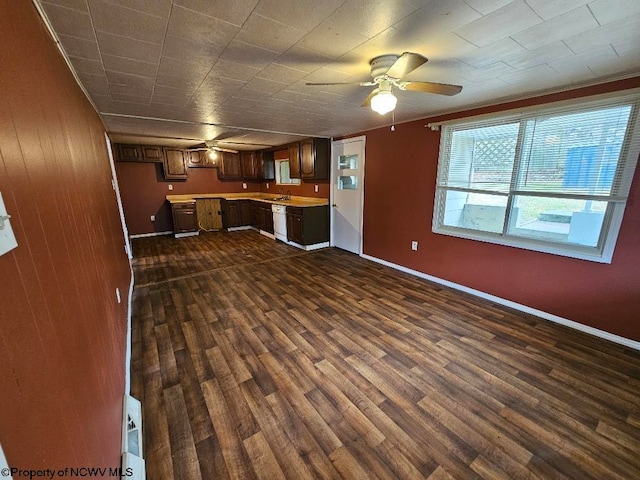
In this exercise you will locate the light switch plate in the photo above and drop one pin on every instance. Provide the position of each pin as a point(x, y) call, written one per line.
point(7, 238)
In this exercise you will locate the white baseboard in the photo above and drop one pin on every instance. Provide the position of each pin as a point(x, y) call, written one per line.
point(316, 246)
point(244, 227)
point(127, 359)
point(627, 342)
point(308, 248)
point(267, 234)
point(152, 234)
point(186, 234)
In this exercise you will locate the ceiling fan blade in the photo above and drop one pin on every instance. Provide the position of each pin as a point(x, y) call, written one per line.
point(228, 150)
point(405, 64)
point(362, 84)
point(334, 83)
point(206, 149)
point(430, 87)
point(367, 101)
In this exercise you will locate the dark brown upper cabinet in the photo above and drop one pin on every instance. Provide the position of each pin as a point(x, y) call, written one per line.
point(230, 166)
point(196, 159)
point(202, 159)
point(128, 153)
point(175, 164)
point(267, 166)
point(294, 160)
point(314, 159)
point(249, 166)
point(152, 154)
point(138, 153)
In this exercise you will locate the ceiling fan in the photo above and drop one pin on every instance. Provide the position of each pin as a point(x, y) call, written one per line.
point(388, 71)
point(212, 148)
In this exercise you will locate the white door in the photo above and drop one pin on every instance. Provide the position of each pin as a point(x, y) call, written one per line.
point(347, 189)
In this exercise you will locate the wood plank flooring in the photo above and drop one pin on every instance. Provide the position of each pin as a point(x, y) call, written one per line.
point(254, 360)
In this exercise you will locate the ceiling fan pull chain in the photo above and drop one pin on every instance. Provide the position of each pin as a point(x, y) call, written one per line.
point(393, 121)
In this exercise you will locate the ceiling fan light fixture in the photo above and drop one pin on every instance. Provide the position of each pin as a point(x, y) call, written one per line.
point(212, 153)
point(383, 102)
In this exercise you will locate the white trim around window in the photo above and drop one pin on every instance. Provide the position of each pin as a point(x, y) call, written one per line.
point(553, 179)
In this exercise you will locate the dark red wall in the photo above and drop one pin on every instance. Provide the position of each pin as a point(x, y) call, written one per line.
point(143, 191)
point(399, 197)
point(62, 333)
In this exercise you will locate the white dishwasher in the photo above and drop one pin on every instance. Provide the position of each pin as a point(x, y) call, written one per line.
point(280, 222)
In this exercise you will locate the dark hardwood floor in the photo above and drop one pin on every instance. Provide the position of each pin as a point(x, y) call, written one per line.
point(254, 360)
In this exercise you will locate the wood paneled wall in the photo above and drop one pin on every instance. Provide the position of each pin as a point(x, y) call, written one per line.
point(400, 174)
point(62, 332)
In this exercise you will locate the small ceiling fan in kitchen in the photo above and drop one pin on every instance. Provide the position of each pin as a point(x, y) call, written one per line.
point(388, 72)
point(213, 147)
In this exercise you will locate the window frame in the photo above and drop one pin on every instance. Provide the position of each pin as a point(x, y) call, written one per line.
point(278, 177)
point(614, 213)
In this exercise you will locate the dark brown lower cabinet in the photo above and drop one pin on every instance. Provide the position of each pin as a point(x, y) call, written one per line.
point(184, 217)
point(236, 213)
point(262, 216)
point(230, 213)
point(267, 224)
point(308, 225)
point(245, 212)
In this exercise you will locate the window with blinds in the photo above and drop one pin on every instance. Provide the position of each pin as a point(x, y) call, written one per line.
point(554, 179)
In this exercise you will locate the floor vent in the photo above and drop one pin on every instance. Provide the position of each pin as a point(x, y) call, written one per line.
point(133, 467)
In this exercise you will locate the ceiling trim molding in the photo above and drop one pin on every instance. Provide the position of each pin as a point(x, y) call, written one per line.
point(49, 27)
point(209, 124)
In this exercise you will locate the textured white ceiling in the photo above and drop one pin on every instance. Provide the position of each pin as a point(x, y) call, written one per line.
point(244, 63)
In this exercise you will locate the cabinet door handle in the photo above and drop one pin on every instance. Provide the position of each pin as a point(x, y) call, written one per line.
point(334, 205)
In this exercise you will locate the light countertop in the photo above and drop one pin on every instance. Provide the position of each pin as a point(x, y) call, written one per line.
point(295, 201)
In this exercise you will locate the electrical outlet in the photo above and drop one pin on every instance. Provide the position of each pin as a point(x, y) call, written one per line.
point(414, 245)
point(244, 186)
point(315, 188)
point(153, 218)
point(170, 187)
point(267, 186)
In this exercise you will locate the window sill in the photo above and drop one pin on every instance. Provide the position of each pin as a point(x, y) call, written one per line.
point(591, 254)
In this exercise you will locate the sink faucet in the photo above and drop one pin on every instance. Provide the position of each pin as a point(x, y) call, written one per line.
point(288, 195)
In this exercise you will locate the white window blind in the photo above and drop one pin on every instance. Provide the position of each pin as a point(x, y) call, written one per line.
point(555, 179)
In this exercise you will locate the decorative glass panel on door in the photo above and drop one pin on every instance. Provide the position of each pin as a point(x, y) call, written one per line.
point(348, 162)
point(348, 182)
